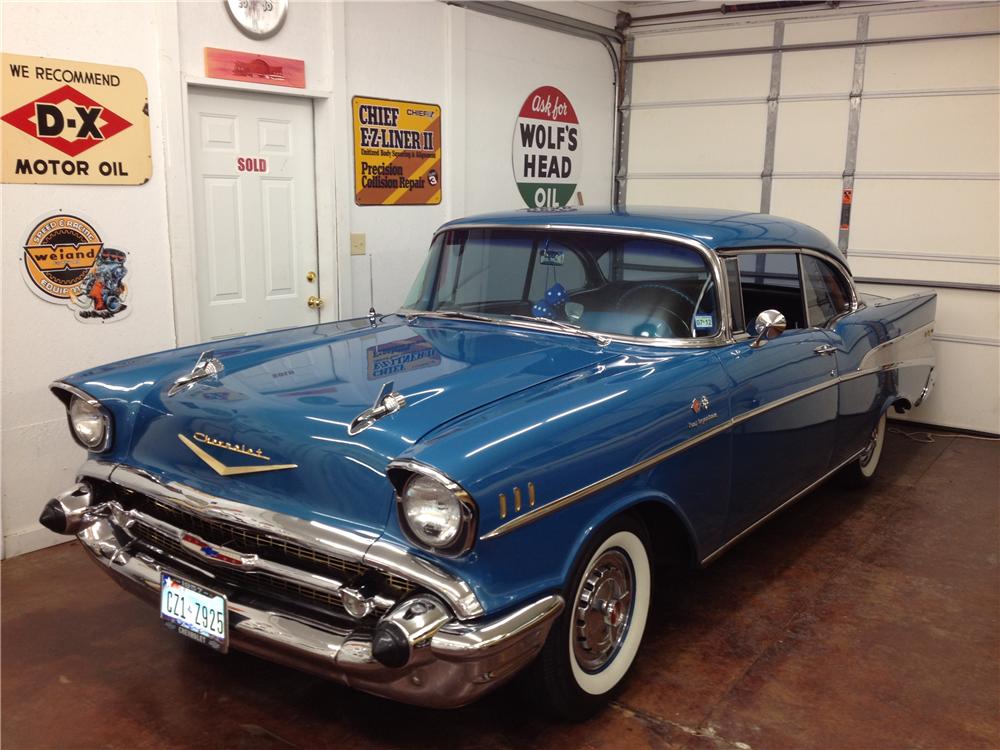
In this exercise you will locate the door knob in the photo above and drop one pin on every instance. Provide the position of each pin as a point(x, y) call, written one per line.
point(315, 302)
point(311, 276)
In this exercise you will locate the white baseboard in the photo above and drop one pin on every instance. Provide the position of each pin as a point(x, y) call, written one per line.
point(31, 539)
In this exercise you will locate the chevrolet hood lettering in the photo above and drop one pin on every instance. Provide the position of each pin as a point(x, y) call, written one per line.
point(228, 471)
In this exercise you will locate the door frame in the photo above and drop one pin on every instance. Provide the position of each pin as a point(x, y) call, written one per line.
point(331, 170)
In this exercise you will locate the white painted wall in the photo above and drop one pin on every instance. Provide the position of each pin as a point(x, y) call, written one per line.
point(927, 188)
point(479, 69)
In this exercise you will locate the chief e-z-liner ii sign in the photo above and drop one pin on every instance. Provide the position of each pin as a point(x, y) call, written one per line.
point(397, 152)
point(546, 149)
point(73, 123)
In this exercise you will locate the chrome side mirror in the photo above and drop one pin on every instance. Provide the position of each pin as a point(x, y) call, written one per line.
point(769, 325)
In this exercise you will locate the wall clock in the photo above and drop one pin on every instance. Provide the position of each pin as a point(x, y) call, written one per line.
point(258, 19)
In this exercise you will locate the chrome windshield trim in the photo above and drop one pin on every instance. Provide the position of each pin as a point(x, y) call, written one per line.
point(363, 548)
point(724, 336)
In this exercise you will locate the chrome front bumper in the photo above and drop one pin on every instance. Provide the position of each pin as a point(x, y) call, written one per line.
point(452, 664)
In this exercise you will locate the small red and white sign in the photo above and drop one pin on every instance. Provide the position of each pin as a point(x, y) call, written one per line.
point(256, 164)
point(250, 67)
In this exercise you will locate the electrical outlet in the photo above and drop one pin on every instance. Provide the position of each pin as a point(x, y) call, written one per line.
point(357, 244)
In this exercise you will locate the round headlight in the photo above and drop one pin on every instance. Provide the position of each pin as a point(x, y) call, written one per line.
point(432, 512)
point(89, 423)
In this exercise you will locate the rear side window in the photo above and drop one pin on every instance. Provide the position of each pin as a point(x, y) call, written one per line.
point(770, 281)
point(827, 293)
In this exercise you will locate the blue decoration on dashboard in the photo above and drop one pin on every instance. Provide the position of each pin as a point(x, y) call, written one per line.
point(541, 310)
point(555, 294)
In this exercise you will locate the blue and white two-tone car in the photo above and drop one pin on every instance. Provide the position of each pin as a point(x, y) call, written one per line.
point(421, 505)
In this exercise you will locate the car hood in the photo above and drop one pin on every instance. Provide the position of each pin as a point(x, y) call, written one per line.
point(284, 401)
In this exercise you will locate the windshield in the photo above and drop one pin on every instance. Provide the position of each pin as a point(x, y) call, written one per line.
point(606, 283)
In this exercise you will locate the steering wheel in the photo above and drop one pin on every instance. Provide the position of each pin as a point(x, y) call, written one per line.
point(659, 309)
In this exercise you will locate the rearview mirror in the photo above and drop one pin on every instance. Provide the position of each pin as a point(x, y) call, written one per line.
point(769, 325)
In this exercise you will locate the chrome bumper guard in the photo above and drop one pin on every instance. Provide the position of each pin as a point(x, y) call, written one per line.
point(449, 662)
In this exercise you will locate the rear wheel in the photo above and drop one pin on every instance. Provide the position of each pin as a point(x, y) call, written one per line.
point(861, 471)
point(594, 642)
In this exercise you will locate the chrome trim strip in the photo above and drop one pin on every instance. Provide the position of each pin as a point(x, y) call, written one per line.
point(59, 385)
point(543, 510)
point(551, 507)
point(724, 336)
point(781, 507)
point(364, 548)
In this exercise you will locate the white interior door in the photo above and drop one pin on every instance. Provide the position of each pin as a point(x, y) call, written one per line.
point(255, 211)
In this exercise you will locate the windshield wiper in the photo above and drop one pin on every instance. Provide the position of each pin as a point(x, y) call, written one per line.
point(563, 326)
point(460, 314)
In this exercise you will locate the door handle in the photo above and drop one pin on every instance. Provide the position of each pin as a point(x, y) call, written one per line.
point(825, 349)
point(315, 302)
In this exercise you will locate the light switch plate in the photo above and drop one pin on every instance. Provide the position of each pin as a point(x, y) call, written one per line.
point(357, 244)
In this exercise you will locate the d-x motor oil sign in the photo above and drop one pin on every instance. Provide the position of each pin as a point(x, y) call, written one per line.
point(73, 123)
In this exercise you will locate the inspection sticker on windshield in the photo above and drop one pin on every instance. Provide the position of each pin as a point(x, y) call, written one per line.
point(551, 257)
point(193, 611)
point(704, 322)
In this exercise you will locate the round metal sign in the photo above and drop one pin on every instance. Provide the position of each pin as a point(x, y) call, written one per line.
point(258, 19)
point(546, 149)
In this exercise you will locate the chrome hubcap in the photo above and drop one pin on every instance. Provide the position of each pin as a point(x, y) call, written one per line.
point(603, 611)
point(869, 450)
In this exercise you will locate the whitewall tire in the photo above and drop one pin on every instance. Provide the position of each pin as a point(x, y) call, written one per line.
point(862, 470)
point(594, 642)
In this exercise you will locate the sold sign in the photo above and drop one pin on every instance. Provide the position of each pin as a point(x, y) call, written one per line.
point(545, 151)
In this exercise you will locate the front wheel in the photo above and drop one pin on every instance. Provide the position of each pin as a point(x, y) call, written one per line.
point(862, 470)
point(594, 642)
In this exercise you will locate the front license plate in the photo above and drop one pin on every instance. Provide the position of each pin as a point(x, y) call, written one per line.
point(193, 611)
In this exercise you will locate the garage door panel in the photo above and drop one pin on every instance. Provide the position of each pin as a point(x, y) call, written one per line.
point(698, 139)
point(902, 265)
point(918, 67)
point(819, 72)
point(717, 78)
point(929, 134)
point(960, 312)
point(807, 32)
point(742, 195)
point(961, 370)
point(698, 41)
point(811, 136)
point(957, 217)
point(960, 20)
point(813, 202)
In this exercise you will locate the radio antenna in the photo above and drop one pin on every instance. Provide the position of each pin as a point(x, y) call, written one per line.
point(372, 315)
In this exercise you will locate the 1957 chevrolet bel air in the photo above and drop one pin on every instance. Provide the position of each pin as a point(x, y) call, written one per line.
point(422, 504)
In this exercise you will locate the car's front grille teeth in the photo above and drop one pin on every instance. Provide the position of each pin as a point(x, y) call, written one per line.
point(255, 542)
point(256, 580)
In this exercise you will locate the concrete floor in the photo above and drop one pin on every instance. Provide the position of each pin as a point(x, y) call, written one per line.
point(853, 620)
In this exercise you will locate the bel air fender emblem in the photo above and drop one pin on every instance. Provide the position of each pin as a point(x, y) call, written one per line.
point(207, 366)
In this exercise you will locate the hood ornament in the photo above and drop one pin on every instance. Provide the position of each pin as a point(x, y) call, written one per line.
point(388, 402)
point(206, 366)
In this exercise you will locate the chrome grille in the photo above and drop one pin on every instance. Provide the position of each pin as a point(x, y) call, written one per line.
point(252, 541)
point(261, 579)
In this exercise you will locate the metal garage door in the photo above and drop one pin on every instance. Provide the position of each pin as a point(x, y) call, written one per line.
point(910, 127)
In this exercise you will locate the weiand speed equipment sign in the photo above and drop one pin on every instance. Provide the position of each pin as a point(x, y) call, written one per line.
point(73, 123)
point(546, 149)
